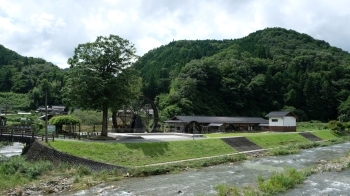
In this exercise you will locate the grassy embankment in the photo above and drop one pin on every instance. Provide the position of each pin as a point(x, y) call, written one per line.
point(140, 154)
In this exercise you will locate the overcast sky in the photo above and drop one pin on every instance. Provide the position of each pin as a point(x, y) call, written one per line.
point(51, 29)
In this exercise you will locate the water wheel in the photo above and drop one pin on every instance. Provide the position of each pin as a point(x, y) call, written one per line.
point(140, 116)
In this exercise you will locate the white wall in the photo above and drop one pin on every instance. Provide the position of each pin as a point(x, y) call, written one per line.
point(278, 123)
point(290, 121)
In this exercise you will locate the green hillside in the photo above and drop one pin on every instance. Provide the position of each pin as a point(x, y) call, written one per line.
point(271, 69)
point(26, 76)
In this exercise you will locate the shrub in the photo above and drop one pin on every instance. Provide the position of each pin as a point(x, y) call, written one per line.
point(335, 126)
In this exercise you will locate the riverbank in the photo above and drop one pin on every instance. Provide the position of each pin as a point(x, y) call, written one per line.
point(158, 152)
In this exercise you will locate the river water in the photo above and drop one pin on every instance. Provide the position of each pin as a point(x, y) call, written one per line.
point(11, 150)
point(239, 174)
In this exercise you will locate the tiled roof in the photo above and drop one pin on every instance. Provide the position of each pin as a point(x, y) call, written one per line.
point(279, 114)
point(217, 119)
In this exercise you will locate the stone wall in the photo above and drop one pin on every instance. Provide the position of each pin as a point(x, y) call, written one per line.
point(38, 151)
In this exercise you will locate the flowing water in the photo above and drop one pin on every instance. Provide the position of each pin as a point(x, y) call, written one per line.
point(239, 174)
point(11, 150)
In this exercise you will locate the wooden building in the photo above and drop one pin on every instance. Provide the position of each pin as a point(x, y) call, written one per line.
point(210, 124)
point(282, 121)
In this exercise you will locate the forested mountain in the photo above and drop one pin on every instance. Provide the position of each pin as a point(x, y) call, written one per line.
point(27, 75)
point(271, 69)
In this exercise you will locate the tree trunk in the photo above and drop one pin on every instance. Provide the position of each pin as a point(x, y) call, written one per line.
point(104, 120)
point(114, 120)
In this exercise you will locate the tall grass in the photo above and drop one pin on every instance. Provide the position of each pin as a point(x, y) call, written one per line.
point(181, 166)
point(16, 171)
point(278, 182)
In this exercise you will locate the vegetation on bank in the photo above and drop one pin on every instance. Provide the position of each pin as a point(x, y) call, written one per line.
point(16, 172)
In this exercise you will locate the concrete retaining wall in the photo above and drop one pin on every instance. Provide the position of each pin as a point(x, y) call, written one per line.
point(38, 151)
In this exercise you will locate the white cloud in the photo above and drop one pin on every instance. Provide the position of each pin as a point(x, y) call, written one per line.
point(52, 29)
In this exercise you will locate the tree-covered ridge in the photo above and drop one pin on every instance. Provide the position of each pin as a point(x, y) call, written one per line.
point(159, 66)
point(271, 69)
point(27, 75)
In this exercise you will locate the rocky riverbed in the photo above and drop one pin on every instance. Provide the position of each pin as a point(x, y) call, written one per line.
point(53, 186)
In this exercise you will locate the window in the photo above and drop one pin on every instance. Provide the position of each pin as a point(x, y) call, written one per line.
point(274, 120)
point(178, 128)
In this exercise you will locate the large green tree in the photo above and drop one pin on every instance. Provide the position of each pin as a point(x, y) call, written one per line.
point(92, 81)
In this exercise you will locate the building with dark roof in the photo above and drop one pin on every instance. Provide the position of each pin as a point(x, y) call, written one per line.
point(209, 124)
point(282, 121)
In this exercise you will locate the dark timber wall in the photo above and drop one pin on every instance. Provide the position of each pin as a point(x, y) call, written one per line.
point(283, 129)
point(38, 151)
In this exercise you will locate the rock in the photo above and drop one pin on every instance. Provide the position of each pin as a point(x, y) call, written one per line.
point(100, 191)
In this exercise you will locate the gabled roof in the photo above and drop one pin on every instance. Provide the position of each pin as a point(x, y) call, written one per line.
point(280, 114)
point(216, 119)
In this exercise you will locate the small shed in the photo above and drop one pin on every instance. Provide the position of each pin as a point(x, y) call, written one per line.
point(282, 121)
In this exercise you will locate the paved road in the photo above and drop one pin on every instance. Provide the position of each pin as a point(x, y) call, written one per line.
point(144, 137)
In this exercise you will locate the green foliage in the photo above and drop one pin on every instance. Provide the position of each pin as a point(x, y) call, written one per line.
point(100, 78)
point(280, 182)
point(64, 120)
point(225, 189)
point(10, 101)
point(17, 171)
point(25, 76)
point(336, 127)
point(88, 117)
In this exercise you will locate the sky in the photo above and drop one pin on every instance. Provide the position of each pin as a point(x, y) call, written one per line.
point(52, 29)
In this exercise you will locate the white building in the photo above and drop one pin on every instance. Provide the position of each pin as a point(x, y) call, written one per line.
point(282, 121)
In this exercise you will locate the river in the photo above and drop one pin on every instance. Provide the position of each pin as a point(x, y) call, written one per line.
point(11, 150)
point(239, 174)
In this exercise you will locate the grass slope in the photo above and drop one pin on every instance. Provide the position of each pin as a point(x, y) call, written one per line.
point(277, 139)
point(138, 154)
point(325, 135)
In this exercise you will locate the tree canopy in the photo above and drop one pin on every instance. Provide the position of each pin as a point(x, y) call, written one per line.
point(96, 78)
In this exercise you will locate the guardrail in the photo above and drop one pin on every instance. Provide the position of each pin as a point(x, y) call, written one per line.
point(20, 135)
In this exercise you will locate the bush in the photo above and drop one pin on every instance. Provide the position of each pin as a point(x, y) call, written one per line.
point(280, 182)
point(335, 126)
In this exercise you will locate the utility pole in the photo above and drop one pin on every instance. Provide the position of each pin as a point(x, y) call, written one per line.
point(46, 116)
point(194, 127)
